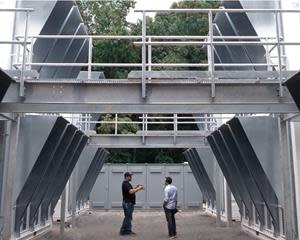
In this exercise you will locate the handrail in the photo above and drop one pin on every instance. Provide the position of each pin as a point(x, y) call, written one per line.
point(16, 9)
point(146, 42)
point(216, 10)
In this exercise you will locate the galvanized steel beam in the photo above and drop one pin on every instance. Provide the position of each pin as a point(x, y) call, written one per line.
point(105, 96)
point(136, 141)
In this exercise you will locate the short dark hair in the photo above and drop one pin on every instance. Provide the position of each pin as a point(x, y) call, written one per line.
point(168, 180)
point(127, 174)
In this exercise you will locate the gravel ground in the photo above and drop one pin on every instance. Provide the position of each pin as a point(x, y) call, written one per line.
point(149, 225)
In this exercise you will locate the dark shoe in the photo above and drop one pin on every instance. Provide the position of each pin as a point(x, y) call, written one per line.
point(124, 234)
point(132, 233)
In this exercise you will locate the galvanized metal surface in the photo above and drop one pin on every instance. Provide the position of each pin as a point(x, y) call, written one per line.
point(294, 87)
point(253, 163)
point(10, 176)
point(90, 177)
point(61, 177)
point(162, 98)
point(226, 172)
point(33, 165)
point(5, 82)
point(67, 174)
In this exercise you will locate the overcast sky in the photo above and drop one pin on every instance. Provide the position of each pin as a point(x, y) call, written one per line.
point(149, 4)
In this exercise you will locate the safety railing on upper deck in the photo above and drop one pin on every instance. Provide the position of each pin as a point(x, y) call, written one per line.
point(153, 125)
point(146, 42)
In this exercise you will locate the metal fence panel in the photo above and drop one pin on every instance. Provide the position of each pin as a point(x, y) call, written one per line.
point(107, 192)
point(99, 195)
point(192, 193)
point(139, 177)
point(116, 175)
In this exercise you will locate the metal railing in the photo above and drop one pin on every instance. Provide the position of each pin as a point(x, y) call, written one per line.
point(146, 42)
point(26, 11)
point(149, 125)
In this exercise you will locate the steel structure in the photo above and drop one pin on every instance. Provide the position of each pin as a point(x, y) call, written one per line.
point(244, 73)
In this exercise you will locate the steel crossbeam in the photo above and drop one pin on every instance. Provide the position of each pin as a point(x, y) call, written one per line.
point(123, 96)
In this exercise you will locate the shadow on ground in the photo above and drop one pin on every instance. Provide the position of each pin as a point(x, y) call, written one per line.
point(191, 225)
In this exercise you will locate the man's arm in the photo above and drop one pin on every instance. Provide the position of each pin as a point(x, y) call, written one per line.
point(166, 198)
point(136, 189)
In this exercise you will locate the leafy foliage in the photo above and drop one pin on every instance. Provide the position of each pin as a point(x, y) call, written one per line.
point(109, 18)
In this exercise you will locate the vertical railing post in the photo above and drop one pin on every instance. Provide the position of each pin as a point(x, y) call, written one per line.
point(143, 128)
point(211, 53)
point(175, 122)
point(149, 57)
point(90, 57)
point(22, 77)
point(144, 56)
point(277, 23)
point(116, 124)
point(31, 52)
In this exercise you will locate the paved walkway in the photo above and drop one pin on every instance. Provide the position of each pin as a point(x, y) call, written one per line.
point(192, 225)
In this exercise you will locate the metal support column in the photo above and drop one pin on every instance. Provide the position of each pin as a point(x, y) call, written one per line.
point(9, 175)
point(228, 206)
point(290, 219)
point(218, 194)
point(73, 196)
point(144, 55)
point(63, 212)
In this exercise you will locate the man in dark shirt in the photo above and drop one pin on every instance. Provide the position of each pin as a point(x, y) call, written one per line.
point(128, 203)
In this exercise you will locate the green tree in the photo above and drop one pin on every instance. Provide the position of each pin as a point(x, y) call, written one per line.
point(109, 18)
point(182, 24)
point(123, 128)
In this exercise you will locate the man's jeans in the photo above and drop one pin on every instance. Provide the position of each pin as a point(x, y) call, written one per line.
point(170, 216)
point(128, 208)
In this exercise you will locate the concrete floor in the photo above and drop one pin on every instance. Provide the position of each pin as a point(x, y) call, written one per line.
point(191, 225)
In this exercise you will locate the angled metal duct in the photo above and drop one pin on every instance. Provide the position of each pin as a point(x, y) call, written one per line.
point(64, 19)
point(70, 54)
point(61, 46)
point(243, 27)
point(208, 181)
point(198, 175)
point(256, 142)
point(236, 24)
point(42, 135)
point(82, 56)
point(244, 189)
point(52, 26)
point(229, 54)
point(227, 173)
point(246, 177)
point(5, 82)
point(65, 175)
point(91, 176)
point(293, 85)
point(199, 172)
point(49, 176)
point(208, 160)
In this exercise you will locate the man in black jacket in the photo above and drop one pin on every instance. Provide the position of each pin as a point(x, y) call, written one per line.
point(128, 203)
